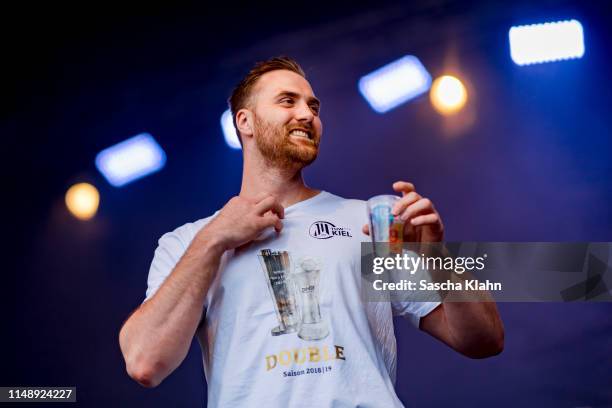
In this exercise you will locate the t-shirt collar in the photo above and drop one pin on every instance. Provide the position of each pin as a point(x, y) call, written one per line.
point(309, 201)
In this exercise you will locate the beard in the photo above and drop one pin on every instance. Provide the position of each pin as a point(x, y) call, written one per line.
point(279, 150)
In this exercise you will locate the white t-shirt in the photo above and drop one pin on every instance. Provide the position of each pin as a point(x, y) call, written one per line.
point(322, 346)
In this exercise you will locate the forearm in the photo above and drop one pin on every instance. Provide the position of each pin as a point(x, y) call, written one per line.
point(475, 328)
point(471, 319)
point(157, 337)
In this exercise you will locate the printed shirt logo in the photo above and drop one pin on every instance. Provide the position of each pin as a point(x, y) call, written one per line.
point(326, 230)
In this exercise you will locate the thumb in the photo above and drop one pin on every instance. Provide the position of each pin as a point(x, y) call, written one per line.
point(366, 229)
point(278, 226)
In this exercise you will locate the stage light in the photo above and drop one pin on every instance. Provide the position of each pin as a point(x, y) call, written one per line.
point(395, 83)
point(537, 43)
point(448, 95)
point(229, 131)
point(131, 159)
point(82, 200)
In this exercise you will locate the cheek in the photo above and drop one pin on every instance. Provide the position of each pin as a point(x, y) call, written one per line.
point(282, 119)
point(275, 117)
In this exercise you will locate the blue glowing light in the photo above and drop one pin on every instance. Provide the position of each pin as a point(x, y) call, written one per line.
point(131, 159)
point(395, 83)
point(229, 131)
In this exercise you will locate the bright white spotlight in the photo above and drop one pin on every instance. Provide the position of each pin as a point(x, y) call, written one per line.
point(395, 83)
point(537, 43)
point(229, 131)
point(130, 160)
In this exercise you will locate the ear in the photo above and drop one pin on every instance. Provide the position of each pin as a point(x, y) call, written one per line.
point(244, 122)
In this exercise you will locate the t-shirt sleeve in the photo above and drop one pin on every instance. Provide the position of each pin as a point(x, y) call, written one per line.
point(413, 311)
point(169, 250)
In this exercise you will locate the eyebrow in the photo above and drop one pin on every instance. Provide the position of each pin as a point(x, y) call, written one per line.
point(312, 99)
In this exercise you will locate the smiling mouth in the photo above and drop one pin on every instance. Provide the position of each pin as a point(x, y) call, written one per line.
point(302, 134)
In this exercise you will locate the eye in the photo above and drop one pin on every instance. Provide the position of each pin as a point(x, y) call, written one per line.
point(315, 108)
point(287, 100)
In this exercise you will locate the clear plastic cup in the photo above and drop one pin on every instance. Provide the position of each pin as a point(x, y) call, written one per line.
point(386, 230)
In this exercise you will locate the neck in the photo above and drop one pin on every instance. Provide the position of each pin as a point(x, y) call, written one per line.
point(286, 184)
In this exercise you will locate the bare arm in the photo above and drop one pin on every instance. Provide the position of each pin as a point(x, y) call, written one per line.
point(472, 328)
point(156, 337)
point(467, 320)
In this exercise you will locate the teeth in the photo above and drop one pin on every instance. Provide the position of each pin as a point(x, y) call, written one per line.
point(299, 133)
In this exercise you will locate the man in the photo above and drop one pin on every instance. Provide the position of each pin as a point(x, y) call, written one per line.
point(318, 345)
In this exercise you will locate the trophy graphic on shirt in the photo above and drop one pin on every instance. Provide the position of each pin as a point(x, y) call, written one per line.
point(277, 268)
point(294, 288)
point(306, 276)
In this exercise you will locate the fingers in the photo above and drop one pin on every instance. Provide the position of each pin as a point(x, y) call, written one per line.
point(366, 229)
point(428, 219)
point(270, 204)
point(278, 225)
point(403, 186)
point(420, 207)
point(400, 206)
point(272, 220)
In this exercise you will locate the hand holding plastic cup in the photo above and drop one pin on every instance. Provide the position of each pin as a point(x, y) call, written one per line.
point(386, 230)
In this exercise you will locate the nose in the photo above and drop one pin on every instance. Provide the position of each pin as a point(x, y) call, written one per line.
point(304, 113)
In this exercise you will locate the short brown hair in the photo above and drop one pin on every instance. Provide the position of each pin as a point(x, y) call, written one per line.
point(242, 92)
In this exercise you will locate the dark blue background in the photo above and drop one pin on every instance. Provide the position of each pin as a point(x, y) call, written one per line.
point(532, 164)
